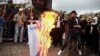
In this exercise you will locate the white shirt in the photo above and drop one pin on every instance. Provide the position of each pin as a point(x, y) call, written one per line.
point(76, 20)
point(94, 23)
point(58, 22)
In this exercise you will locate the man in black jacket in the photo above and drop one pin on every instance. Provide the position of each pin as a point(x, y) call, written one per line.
point(73, 32)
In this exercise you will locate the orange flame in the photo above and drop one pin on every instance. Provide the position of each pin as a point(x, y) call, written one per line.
point(48, 19)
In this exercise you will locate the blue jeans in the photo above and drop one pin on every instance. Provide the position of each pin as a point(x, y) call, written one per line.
point(1, 33)
point(18, 33)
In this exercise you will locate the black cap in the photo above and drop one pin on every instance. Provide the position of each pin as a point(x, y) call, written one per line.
point(73, 12)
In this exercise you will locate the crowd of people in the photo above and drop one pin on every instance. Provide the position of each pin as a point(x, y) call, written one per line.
point(17, 25)
point(85, 30)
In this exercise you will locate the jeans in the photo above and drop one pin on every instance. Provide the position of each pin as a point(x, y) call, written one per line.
point(1, 33)
point(19, 30)
point(70, 37)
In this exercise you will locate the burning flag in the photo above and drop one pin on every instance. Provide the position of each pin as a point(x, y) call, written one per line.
point(47, 23)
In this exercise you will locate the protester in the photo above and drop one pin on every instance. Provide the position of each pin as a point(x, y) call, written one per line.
point(94, 35)
point(83, 24)
point(29, 20)
point(87, 31)
point(74, 30)
point(57, 32)
point(19, 19)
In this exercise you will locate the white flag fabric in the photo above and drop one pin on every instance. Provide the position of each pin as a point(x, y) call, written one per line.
point(33, 40)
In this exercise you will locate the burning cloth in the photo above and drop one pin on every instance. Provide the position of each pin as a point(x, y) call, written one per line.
point(39, 37)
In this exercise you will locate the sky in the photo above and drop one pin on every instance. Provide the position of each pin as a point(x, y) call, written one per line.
point(81, 6)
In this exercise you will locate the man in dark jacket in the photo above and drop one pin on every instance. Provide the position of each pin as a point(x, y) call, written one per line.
point(74, 31)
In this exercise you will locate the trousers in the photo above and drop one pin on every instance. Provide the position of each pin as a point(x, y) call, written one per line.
point(19, 30)
point(70, 37)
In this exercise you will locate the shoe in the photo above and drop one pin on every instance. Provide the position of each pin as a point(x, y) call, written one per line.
point(59, 53)
point(80, 52)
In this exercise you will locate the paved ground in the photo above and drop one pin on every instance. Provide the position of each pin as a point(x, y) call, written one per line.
point(21, 49)
point(11, 49)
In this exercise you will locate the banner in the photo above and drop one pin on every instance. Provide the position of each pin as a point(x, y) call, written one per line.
point(19, 1)
point(33, 40)
point(3, 1)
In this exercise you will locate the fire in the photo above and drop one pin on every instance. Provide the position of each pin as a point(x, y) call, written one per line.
point(47, 19)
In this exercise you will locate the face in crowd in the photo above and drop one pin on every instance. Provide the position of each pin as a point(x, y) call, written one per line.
point(20, 11)
point(73, 14)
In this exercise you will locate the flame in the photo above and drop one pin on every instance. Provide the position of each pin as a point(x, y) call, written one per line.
point(48, 19)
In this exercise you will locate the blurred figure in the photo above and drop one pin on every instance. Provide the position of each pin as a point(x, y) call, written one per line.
point(83, 24)
point(2, 21)
point(25, 25)
point(99, 30)
point(66, 29)
point(74, 32)
point(99, 22)
point(30, 17)
point(19, 20)
point(60, 30)
point(57, 32)
point(87, 31)
point(94, 34)
point(29, 20)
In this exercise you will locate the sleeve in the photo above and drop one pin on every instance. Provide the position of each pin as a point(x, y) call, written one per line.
point(15, 18)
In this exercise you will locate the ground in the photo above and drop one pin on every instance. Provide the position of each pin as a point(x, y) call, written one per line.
point(21, 49)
